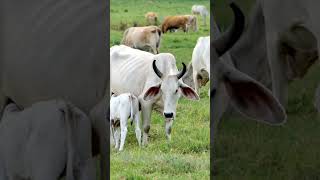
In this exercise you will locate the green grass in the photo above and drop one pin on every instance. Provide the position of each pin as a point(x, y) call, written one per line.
point(247, 150)
point(187, 155)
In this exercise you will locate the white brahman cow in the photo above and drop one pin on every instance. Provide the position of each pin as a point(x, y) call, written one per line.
point(154, 79)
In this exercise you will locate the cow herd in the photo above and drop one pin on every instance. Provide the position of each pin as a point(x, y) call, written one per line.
point(142, 77)
point(140, 71)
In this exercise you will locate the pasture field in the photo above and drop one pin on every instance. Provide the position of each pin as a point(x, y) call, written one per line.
point(245, 149)
point(187, 155)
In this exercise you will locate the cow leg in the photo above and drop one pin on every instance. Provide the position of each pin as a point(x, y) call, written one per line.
point(146, 115)
point(137, 128)
point(117, 137)
point(124, 130)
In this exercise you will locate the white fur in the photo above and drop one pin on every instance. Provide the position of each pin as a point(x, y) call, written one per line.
point(121, 108)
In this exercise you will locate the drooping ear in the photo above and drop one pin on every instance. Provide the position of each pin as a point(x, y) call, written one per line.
point(152, 92)
point(251, 98)
point(188, 92)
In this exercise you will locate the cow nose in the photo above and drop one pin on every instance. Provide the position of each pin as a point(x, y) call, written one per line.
point(168, 115)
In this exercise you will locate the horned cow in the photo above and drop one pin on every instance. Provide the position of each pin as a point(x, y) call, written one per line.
point(154, 79)
point(247, 95)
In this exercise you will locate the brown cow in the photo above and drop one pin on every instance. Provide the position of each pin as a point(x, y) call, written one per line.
point(145, 38)
point(176, 22)
point(152, 18)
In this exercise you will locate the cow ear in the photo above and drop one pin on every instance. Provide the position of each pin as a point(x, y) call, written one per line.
point(152, 92)
point(252, 99)
point(188, 92)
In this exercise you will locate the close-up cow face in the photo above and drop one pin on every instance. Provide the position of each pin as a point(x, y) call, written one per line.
point(249, 96)
point(170, 90)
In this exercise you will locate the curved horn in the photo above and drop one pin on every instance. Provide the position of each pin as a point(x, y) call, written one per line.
point(181, 73)
point(229, 38)
point(156, 70)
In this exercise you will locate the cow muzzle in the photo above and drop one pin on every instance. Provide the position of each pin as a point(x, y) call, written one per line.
point(168, 115)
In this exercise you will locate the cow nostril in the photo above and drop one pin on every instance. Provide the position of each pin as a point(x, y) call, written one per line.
point(168, 115)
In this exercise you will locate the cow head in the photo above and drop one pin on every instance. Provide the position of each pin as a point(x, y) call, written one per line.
point(169, 89)
point(247, 95)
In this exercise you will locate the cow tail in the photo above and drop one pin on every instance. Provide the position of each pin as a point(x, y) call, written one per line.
point(70, 145)
point(131, 108)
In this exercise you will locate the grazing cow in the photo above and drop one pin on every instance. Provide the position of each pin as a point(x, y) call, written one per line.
point(144, 38)
point(247, 95)
point(200, 10)
point(228, 84)
point(152, 18)
point(289, 40)
point(62, 54)
point(201, 62)
point(177, 22)
point(122, 107)
point(154, 79)
point(40, 141)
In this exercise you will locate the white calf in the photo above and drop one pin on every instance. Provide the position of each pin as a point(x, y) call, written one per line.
point(123, 107)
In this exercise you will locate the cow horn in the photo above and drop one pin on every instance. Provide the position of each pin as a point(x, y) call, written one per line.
point(181, 73)
point(229, 38)
point(156, 70)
